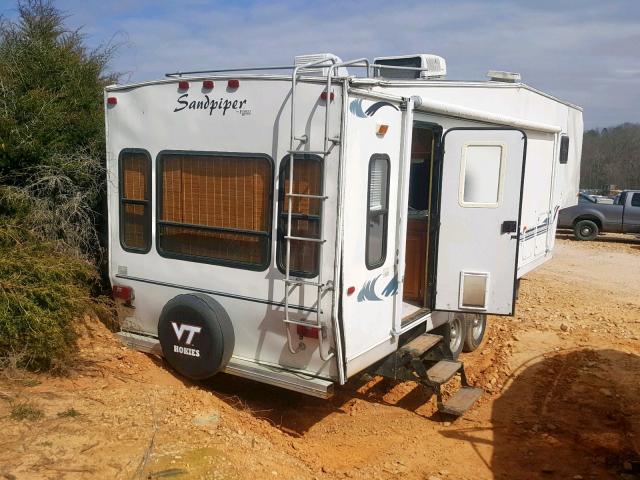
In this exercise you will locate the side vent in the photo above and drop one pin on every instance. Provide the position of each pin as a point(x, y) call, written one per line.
point(508, 77)
point(322, 71)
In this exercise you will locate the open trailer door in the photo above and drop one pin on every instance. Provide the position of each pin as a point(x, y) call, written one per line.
point(480, 205)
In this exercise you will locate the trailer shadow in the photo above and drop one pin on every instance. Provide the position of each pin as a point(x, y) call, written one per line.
point(295, 413)
point(571, 414)
point(628, 239)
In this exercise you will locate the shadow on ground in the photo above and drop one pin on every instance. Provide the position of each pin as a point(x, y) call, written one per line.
point(295, 413)
point(630, 239)
point(567, 415)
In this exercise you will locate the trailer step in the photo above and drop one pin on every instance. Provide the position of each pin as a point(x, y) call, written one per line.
point(419, 345)
point(309, 152)
point(461, 401)
point(279, 377)
point(139, 342)
point(443, 371)
point(306, 195)
point(305, 239)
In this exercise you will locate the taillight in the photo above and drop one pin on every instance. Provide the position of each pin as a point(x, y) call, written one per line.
point(122, 293)
point(233, 83)
point(207, 84)
point(324, 96)
point(183, 85)
point(112, 101)
point(308, 332)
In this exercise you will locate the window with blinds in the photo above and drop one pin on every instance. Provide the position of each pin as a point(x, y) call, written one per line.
point(215, 208)
point(377, 211)
point(135, 200)
point(306, 215)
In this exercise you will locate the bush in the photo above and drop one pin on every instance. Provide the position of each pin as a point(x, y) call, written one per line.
point(43, 291)
point(51, 89)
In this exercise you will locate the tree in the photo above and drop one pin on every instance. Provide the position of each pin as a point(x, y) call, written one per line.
point(611, 156)
point(51, 90)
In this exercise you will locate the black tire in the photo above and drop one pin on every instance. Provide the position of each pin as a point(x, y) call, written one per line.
point(476, 325)
point(585, 230)
point(456, 334)
point(196, 335)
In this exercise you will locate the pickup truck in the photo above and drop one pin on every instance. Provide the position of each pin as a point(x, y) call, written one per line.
point(588, 218)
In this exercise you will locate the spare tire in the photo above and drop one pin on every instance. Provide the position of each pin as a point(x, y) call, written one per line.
point(196, 335)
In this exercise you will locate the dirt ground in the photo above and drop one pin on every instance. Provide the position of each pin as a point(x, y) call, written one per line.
point(563, 402)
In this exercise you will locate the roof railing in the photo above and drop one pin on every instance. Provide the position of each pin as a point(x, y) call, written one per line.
point(359, 63)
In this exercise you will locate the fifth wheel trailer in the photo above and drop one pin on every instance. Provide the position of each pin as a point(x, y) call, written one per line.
point(299, 225)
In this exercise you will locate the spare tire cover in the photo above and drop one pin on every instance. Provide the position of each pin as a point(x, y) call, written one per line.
point(196, 335)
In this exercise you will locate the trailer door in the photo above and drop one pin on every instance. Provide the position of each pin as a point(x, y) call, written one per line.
point(480, 205)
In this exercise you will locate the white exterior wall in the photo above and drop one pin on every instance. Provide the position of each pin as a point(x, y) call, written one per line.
point(543, 175)
point(144, 118)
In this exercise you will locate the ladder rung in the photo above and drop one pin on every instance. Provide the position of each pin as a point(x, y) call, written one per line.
point(306, 195)
point(309, 152)
point(303, 282)
point(304, 324)
point(305, 239)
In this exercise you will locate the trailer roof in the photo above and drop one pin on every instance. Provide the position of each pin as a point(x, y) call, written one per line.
point(355, 81)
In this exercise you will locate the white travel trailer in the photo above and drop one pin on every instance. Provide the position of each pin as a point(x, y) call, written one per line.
point(300, 228)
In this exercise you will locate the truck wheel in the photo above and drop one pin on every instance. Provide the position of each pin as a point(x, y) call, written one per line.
point(476, 325)
point(196, 335)
point(585, 230)
point(457, 332)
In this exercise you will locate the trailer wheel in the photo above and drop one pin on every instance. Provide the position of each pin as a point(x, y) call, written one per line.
point(457, 332)
point(585, 230)
point(476, 325)
point(196, 335)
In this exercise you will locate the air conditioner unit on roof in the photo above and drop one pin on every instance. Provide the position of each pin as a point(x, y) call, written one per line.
point(433, 66)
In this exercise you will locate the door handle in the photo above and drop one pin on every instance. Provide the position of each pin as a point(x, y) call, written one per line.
point(509, 226)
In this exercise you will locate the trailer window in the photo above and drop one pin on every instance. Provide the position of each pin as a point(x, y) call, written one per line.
point(564, 149)
point(215, 208)
point(135, 204)
point(305, 215)
point(377, 210)
point(482, 175)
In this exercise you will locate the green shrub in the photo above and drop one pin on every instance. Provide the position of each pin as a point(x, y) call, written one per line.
point(26, 411)
point(44, 292)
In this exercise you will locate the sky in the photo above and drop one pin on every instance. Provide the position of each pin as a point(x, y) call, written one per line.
point(584, 51)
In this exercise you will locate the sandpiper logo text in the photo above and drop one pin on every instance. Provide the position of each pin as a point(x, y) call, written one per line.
point(212, 105)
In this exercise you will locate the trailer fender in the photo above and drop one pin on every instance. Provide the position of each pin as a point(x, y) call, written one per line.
point(196, 335)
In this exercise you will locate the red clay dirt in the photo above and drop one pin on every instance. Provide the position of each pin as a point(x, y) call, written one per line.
point(562, 402)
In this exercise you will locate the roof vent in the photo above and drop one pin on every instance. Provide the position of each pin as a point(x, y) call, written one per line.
point(508, 77)
point(322, 71)
point(433, 66)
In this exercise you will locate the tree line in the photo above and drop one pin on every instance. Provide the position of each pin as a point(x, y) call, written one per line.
point(611, 156)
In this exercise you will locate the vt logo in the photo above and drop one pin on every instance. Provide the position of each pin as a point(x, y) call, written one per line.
point(180, 329)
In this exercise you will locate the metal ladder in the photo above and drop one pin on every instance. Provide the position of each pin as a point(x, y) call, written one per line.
point(328, 145)
point(292, 284)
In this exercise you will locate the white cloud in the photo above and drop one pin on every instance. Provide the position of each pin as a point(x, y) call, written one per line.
point(583, 51)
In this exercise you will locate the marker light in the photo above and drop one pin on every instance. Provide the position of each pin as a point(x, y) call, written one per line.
point(207, 84)
point(381, 129)
point(233, 83)
point(183, 85)
point(112, 100)
point(351, 290)
point(324, 96)
point(123, 293)
point(307, 331)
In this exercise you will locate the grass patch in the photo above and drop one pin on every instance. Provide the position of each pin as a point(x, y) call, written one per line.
point(69, 413)
point(26, 411)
